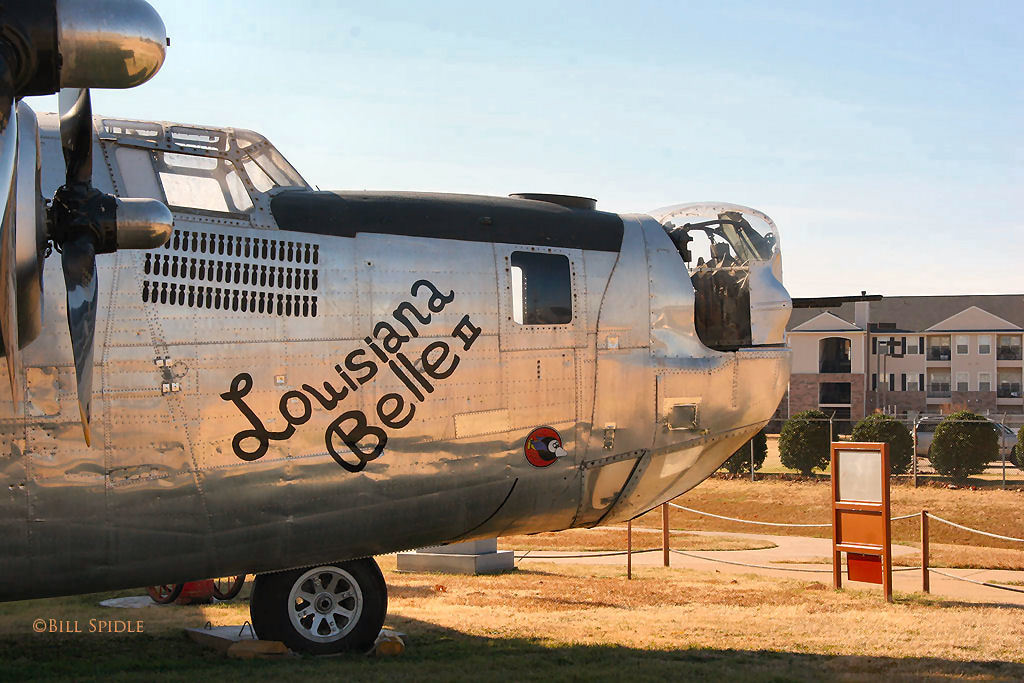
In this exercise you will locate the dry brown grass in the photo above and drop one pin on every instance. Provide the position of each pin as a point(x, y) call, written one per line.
point(969, 557)
point(952, 556)
point(554, 622)
point(604, 538)
point(774, 500)
point(673, 609)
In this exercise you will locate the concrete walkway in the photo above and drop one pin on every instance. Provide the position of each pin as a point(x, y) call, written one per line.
point(793, 557)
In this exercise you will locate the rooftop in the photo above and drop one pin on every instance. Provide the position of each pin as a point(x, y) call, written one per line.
point(921, 313)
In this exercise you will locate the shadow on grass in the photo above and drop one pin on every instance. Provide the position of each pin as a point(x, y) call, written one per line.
point(436, 653)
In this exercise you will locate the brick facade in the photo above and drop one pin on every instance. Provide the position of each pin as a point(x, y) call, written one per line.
point(804, 391)
point(905, 401)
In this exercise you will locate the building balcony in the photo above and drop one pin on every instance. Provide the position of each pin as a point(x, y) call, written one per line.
point(940, 393)
point(835, 367)
point(1008, 353)
point(1008, 391)
point(939, 353)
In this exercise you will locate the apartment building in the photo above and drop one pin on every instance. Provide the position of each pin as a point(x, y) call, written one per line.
point(908, 354)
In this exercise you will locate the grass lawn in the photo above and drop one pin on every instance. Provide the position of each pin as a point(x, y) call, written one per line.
point(808, 502)
point(604, 538)
point(552, 622)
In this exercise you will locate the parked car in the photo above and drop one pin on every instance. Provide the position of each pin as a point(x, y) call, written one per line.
point(1007, 438)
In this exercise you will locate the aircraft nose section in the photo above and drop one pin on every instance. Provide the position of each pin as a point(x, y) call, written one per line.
point(704, 413)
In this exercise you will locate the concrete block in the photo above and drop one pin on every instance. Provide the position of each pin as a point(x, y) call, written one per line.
point(486, 545)
point(457, 563)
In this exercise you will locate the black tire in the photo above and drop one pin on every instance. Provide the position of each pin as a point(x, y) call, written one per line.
point(273, 605)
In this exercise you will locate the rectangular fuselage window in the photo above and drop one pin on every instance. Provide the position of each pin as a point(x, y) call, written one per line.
point(541, 288)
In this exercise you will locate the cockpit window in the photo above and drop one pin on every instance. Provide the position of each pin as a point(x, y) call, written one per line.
point(541, 288)
point(218, 170)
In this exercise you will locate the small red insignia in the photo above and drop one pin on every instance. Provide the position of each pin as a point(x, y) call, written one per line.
point(543, 446)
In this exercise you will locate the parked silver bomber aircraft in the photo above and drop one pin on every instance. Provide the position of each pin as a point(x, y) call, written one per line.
point(294, 381)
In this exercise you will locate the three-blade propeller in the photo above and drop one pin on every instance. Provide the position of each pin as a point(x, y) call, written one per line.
point(71, 229)
point(85, 222)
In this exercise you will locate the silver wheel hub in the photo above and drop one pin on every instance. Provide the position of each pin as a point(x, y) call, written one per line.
point(325, 604)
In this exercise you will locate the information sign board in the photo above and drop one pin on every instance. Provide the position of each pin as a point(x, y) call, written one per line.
point(861, 518)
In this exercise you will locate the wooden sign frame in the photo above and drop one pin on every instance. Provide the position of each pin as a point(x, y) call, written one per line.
point(861, 522)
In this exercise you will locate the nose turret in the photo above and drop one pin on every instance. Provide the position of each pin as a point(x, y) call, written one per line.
point(734, 257)
point(718, 363)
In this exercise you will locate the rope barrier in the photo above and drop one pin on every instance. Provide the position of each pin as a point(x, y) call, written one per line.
point(744, 521)
point(977, 531)
point(776, 568)
point(527, 556)
point(980, 583)
point(755, 566)
point(752, 521)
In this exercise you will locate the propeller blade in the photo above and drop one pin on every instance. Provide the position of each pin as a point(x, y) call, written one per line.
point(79, 263)
point(8, 267)
point(76, 133)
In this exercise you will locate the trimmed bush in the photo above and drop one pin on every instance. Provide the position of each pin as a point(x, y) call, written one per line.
point(1017, 452)
point(964, 443)
point(887, 429)
point(739, 462)
point(804, 442)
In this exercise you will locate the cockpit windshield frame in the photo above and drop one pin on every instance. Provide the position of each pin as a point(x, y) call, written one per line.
point(225, 172)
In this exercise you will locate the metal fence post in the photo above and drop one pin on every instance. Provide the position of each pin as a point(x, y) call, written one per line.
point(629, 549)
point(752, 458)
point(925, 584)
point(1002, 445)
point(664, 533)
point(914, 457)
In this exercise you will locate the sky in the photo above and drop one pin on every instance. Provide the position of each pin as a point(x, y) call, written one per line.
point(884, 138)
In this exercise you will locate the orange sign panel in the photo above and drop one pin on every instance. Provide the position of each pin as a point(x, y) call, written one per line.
point(860, 514)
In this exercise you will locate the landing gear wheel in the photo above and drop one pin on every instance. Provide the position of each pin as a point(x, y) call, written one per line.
point(321, 610)
point(165, 593)
point(228, 587)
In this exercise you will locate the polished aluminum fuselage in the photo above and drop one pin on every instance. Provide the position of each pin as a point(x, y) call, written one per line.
point(162, 495)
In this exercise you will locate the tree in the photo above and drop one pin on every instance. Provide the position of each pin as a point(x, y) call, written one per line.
point(804, 442)
point(1017, 453)
point(739, 463)
point(963, 444)
point(887, 429)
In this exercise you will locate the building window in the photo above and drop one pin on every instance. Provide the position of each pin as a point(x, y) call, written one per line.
point(962, 347)
point(962, 379)
point(541, 289)
point(1008, 347)
point(834, 355)
point(903, 381)
point(874, 382)
point(920, 382)
point(938, 348)
point(832, 393)
point(912, 384)
point(874, 346)
point(984, 381)
point(1008, 384)
point(938, 384)
point(985, 344)
point(892, 381)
